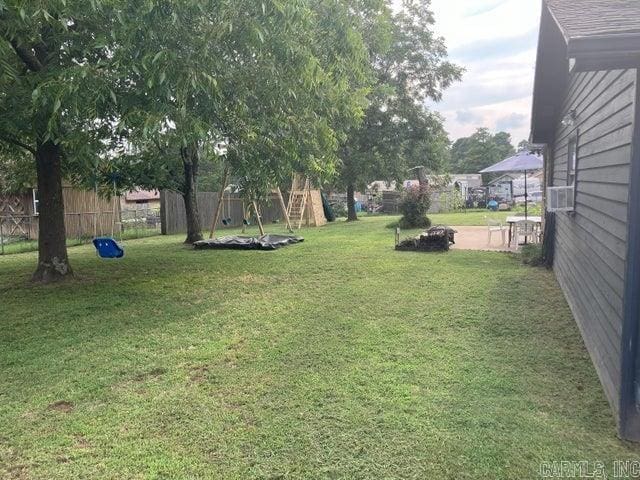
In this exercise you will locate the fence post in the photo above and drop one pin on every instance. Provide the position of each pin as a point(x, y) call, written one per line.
point(163, 212)
point(1, 239)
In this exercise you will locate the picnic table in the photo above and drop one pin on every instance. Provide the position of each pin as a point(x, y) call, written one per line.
point(515, 219)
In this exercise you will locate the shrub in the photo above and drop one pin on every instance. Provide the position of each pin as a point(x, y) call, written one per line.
point(532, 254)
point(414, 206)
point(395, 224)
point(420, 222)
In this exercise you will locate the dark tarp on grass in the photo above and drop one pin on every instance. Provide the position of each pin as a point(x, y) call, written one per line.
point(329, 213)
point(266, 242)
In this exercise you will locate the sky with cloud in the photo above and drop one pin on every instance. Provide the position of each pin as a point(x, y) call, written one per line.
point(496, 41)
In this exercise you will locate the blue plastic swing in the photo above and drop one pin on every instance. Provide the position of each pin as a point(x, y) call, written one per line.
point(107, 247)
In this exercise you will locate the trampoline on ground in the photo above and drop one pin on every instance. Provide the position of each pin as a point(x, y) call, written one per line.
point(236, 242)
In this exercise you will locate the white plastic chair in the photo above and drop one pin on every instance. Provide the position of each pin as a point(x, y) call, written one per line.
point(494, 226)
point(526, 229)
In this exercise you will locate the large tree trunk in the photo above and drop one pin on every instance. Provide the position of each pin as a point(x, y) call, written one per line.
point(190, 161)
point(352, 215)
point(53, 262)
point(423, 180)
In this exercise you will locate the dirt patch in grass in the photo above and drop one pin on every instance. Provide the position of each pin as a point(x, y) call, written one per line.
point(81, 442)
point(136, 383)
point(198, 374)
point(12, 467)
point(62, 406)
point(156, 372)
point(17, 472)
point(231, 361)
point(251, 279)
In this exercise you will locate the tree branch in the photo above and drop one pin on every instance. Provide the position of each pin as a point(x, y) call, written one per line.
point(159, 147)
point(18, 143)
point(27, 57)
point(41, 52)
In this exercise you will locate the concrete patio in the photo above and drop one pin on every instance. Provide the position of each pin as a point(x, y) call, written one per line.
point(475, 238)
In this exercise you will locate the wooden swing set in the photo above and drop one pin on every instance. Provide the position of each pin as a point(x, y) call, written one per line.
point(293, 212)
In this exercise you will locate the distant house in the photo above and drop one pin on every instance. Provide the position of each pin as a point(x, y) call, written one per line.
point(510, 187)
point(586, 115)
point(466, 181)
point(446, 188)
point(380, 186)
point(141, 199)
point(460, 181)
point(502, 187)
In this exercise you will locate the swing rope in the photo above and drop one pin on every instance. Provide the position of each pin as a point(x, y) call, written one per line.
point(220, 202)
point(223, 220)
point(113, 213)
point(108, 247)
point(95, 209)
point(226, 215)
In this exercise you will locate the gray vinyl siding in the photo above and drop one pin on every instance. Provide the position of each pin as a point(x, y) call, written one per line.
point(591, 243)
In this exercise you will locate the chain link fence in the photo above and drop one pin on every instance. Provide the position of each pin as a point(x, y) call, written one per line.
point(139, 223)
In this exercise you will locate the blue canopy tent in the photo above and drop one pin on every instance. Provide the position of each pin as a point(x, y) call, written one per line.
point(524, 161)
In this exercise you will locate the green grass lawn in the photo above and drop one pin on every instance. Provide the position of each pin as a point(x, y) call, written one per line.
point(469, 218)
point(25, 246)
point(338, 358)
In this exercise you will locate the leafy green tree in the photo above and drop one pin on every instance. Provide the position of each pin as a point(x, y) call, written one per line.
point(504, 145)
point(144, 88)
point(410, 66)
point(55, 101)
point(524, 145)
point(17, 172)
point(480, 150)
point(279, 81)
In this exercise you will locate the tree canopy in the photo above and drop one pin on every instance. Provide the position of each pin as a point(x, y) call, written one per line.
point(145, 88)
point(410, 66)
point(281, 82)
point(524, 145)
point(480, 150)
point(56, 99)
point(138, 92)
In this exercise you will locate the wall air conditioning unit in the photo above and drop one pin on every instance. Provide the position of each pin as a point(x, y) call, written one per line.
point(561, 199)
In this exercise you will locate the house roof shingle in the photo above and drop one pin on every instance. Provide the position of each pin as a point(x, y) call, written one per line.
point(588, 18)
point(142, 195)
point(580, 35)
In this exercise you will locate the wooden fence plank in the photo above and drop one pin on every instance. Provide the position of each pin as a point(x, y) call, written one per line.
point(174, 219)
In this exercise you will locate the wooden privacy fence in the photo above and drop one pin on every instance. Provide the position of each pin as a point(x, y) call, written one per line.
point(82, 208)
point(19, 219)
point(390, 202)
point(77, 225)
point(174, 218)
